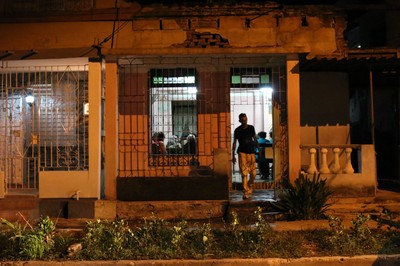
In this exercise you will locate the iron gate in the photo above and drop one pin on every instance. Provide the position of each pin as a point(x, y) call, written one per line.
point(43, 122)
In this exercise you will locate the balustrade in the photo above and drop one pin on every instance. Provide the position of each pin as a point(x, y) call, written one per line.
point(330, 159)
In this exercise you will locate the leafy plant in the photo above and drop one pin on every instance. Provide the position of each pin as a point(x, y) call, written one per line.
point(179, 237)
point(106, 239)
point(32, 243)
point(158, 239)
point(263, 229)
point(306, 199)
point(153, 239)
point(356, 240)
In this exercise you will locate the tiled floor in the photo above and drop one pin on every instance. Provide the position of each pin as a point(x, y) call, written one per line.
point(258, 195)
point(259, 183)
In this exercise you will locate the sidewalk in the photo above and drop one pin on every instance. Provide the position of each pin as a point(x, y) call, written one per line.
point(366, 260)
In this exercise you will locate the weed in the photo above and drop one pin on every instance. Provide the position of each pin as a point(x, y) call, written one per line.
point(158, 239)
point(153, 239)
point(179, 238)
point(105, 239)
point(356, 240)
point(32, 243)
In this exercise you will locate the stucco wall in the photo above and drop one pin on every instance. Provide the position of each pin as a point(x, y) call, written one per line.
point(324, 98)
point(167, 30)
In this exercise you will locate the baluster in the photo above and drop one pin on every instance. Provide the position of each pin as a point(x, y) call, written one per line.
point(324, 169)
point(349, 168)
point(336, 164)
point(312, 168)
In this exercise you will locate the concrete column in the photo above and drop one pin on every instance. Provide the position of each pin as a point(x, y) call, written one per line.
point(111, 131)
point(324, 169)
point(312, 167)
point(336, 165)
point(95, 127)
point(293, 106)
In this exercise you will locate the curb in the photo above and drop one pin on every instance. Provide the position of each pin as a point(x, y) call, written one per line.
point(365, 260)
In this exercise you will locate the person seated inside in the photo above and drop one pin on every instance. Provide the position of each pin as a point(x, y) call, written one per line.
point(173, 145)
point(263, 164)
point(157, 143)
point(189, 144)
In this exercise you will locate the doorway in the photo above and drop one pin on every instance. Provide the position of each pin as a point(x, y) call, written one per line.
point(251, 93)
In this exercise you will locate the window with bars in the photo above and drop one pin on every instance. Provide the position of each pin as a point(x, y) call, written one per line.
point(173, 116)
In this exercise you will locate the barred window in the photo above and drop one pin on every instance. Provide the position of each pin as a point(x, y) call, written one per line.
point(173, 122)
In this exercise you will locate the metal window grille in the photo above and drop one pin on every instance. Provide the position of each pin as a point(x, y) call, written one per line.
point(145, 80)
point(173, 112)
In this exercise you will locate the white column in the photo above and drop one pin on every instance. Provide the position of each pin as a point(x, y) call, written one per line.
point(336, 164)
point(312, 167)
point(324, 169)
point(349, 168)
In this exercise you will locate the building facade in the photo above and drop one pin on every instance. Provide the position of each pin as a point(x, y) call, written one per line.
point(92, 89)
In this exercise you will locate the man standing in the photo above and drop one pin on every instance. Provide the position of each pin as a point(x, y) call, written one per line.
point(246, 136)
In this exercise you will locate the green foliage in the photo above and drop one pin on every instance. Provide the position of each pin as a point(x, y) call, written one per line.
point(31, 243)
point(158, 239)
point(263, 231)
point(356, 240)
point(106, 239)
point(306, 199)
point(153, 239)
point(389, 224)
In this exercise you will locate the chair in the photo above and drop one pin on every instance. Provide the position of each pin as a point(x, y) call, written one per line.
point(269, 156)
point(266, 155)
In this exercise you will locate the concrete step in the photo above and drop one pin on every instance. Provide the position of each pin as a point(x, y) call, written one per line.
point(349, 207)
point(245, 209)
point(19, 208)
point(68, 208)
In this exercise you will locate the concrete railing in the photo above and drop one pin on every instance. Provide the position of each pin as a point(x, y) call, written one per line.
point(350, 170)
point(327, 159)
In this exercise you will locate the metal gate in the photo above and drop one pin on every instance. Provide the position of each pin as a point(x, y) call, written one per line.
point(43, 124)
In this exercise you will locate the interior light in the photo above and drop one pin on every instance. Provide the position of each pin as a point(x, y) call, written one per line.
point(29, 99)
point(192, 90)
point(266, 89)
point(86, 108)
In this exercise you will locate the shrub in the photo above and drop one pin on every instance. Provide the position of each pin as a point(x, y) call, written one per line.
point(157, 239)
point(31, 243)
point(106, 239)
point(356, 240)
point(306, 199)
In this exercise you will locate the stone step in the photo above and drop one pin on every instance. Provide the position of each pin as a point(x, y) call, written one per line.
point(68, 208)
point(350, 211)
point(18, 202)
point(19, 208)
